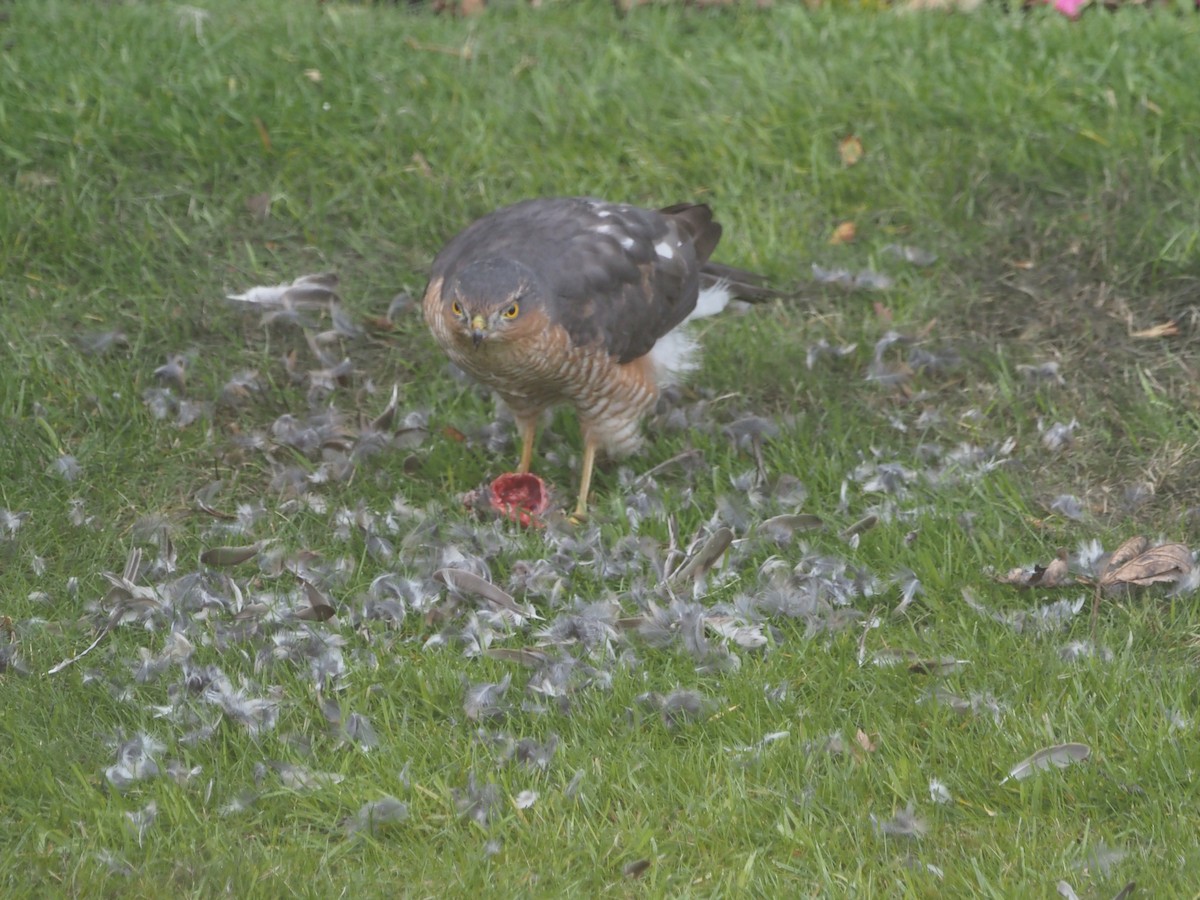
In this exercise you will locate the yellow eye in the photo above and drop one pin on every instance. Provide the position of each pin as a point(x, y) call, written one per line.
point(511, 312)
point(455, 308)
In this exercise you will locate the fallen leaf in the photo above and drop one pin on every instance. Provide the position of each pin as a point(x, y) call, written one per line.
point(1056, 574)
point(1170, 328)
point(864, 740)
point(32, 179)
point(422, 164)
point(850, 149)
point(1059, 756)
point(1167, 562)
point(847, 232)
point(263, 134)
point(259, 205)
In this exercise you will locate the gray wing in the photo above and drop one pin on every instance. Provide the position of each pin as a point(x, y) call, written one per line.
point(614, 274)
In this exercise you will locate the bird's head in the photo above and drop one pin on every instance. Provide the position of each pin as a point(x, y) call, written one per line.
point(489, 300)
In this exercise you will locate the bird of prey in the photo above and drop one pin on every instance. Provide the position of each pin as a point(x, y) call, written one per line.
point(579, 301)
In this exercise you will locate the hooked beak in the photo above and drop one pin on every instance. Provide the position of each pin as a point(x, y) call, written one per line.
point(478, 330)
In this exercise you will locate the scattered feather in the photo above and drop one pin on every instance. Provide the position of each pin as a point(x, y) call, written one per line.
point(468, 583)
point(135, 761)
point(1101, 860)
point(525, 799)
point(942, 665)
point(636, 868)
point(1069, 506)
point(704, 558)
point(485, 702)
point(1073, 651)
point(377, 816)
point(905, 823)
point(299, 778)
point(914, 255)
point(140, 821)
point(938, 792)
point(1047, 372)
point(98, 343)
point(478, 802)
point(66, 467)
point(823, 348)
point(535, 755)
point(1058, 436)
point(1059, 756)
point(114, 864)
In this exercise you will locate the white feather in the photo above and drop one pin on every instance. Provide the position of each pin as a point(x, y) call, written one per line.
point(677, 353)
point(713, 299)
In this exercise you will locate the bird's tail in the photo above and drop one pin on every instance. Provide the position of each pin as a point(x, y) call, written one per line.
point(741, 284)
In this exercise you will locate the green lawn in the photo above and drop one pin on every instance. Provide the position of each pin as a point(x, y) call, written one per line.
point(156, 158)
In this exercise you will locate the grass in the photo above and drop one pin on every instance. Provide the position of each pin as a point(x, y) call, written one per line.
point(1052, 167)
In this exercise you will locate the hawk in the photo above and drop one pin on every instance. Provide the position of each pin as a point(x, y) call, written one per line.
point(579, 301)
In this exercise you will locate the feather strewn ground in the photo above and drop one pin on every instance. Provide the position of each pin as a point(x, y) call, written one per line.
point(778, 659)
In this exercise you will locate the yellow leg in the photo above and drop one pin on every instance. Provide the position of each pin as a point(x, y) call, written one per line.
point(528, 432)
point(585, 478)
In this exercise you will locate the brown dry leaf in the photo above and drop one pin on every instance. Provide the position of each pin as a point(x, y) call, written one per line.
point(466, 51)
point(259, 205)
point(263, 134)
point(449, 431)
point(1168, 562)
point(1054, 575)
point(850, 149)
point(1132, 548)
point(864, 740)
point(421, 164)
point(1170, 328)
point(847, 232)
point(33, 179)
